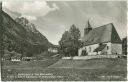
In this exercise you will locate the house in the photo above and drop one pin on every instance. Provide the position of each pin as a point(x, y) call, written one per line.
point(15, 56)
point(53, 49)
point(103, 40)
point(15, 59)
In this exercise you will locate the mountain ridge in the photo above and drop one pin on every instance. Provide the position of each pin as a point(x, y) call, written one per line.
point(26, 40)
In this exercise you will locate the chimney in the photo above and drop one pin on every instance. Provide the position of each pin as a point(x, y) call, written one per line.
point(88, 28)
point(0, 6)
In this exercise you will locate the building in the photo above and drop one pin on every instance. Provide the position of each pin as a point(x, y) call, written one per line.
point(53, 49)
point(15, 56)
point(103, 40)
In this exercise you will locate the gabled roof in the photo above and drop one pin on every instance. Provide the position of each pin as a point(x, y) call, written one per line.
point(105, 33)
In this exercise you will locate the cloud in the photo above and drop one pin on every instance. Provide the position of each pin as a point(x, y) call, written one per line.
point(29, 17)
point(31, 9)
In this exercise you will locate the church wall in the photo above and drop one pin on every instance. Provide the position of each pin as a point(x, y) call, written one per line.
point(116, 48)
point(80, 50)
point(91, 48)
point(109, 47)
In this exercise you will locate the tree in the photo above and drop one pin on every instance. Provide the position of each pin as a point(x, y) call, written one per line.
point(69, 43)
point(64, 43)
point(75, 36)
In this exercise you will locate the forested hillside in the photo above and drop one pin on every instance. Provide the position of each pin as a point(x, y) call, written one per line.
point(20, 36)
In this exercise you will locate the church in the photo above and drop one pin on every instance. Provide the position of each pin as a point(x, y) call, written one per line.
point(103, 40)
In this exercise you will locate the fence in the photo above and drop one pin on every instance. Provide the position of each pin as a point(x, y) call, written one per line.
point(91, 57)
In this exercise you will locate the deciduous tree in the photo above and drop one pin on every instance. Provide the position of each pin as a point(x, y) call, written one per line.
point(69, 43)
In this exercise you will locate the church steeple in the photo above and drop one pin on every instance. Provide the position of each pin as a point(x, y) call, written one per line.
point(88, 28)
point(88, 24)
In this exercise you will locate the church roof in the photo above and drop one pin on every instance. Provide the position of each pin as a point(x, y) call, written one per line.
point(100, 47)
point(102, 34)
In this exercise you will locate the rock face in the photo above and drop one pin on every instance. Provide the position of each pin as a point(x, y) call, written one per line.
point(21, 36)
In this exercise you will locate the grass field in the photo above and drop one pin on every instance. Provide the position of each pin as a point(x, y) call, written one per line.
point(66, 70)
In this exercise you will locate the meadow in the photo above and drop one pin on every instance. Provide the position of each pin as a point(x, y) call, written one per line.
point(103, 69)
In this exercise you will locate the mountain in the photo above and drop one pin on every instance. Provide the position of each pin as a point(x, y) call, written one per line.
point(12, 14)
point(21, 36)
point(33, 35)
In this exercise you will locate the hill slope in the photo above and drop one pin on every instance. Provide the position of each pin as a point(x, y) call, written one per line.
point(20, 37)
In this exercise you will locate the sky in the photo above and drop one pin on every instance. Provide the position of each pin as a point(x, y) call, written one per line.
point(53, 18)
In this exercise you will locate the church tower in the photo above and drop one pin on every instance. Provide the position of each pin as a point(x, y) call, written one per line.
point(88, 28)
